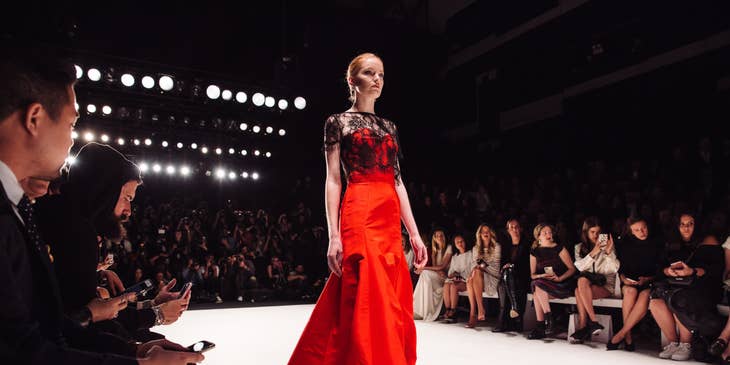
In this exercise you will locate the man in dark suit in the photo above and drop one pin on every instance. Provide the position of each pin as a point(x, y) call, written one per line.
point(37, 115)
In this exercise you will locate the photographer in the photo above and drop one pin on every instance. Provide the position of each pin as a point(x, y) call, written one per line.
point(245, 275)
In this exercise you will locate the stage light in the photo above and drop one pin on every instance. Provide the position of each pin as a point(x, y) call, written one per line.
point(94, 74)
point(255, 176)
point(282, 132)
point(70, 160)
point(231, 151)
point(194, 146)
point(91, 108)
point(74, 135)
point(144, 167)
point(104, 138)
point(79, 71)
point(241, 97)
point(300, 103)
point(258, 99)
point(268, 154)
point(88, 136)
point(213, 92)
point(218, 151)
point(257, 152)
point(170, 170)
point(244, 175)
point(106, 109)
point(179, 145)
point(165, 144)
point(156, 168)
point(269, 130)
point(128, 80)
point(256, 129)
point(243, 126)
point(220, 173)
point(226, 94)
point(148, 142)
point(270, 102)
point(232, 175)
point(244, 152)
point(121, 141)
point(208, 173)
point(283, 104)
point(204, 150)
point(148, 82)
point(136, 142)
point(184, 171)
point(166, 83)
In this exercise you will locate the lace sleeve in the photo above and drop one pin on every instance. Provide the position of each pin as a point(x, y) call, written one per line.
point(394, 132)
point(332, 133)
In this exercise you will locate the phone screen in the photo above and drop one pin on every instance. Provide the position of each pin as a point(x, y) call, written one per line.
point(201, 346)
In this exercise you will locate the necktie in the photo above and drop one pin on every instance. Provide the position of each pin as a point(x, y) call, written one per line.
point(26, 212)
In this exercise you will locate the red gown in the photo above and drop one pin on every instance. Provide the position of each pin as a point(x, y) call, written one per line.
point(364, 317)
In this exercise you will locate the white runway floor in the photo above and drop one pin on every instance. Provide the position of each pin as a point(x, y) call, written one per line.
point(267, 335)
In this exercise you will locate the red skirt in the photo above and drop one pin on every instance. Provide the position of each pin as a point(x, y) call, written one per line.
point(364, 317)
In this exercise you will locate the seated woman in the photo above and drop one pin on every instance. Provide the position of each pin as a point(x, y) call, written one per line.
point(552, 272)
point(460, 268)
point(485, 275)
point(595, 257)
point(512, 289)
point(640, 259)
point(720, 346)
point(428, 295)
point(704, 267)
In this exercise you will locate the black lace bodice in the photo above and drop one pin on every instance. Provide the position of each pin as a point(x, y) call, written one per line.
point(367, 143)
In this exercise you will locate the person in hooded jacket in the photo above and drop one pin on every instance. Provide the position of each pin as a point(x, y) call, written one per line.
point(96, 199)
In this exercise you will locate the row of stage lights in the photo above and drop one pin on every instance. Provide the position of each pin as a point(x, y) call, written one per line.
point(89, 136)
point(106, 110)
point(213, 92)
point(155, 168)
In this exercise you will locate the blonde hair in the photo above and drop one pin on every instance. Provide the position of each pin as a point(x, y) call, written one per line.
point(536, 233)
point(436, 247)
point(355, 67)
point(490, 246)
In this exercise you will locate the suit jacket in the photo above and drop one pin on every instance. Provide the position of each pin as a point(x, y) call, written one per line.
point(33, 329)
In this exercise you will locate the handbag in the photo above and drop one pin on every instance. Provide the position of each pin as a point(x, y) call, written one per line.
point(682, 281)
point(593, 277)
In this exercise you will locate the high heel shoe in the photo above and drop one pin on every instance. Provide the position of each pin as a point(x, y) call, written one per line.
point(629, 346)
point(472, 322)
point(717, 347)
point(610, 346)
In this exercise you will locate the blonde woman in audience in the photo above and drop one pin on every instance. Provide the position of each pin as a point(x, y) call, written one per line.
point(461, 267)
point(428, 295)
point(485, 275)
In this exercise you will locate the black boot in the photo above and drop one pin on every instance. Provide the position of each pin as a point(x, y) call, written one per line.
point(501, 325)
point(516, 324)
point(509, 278)
point(549, 325)
point(538, 332)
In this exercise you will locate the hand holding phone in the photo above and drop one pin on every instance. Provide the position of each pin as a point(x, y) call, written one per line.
point(632, 281)
point(549, 270)
point(185, 289)
point(140, 288)
point(201, 346)
point(603, 239)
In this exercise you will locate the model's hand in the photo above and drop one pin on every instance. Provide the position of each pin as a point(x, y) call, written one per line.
point(421, 255)
point(334, 256)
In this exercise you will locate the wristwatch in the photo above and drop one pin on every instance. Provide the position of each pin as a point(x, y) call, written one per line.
point(159, 316)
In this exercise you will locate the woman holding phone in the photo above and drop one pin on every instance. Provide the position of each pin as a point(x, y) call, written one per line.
point(551, 270)
point(640, 262)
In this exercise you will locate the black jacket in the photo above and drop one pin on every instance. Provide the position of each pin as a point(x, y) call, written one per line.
point(32, 327)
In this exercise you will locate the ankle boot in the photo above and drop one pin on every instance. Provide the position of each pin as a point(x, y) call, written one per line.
point(549, 325)
point(538, 332)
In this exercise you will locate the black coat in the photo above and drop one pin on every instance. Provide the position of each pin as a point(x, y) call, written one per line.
point(32, 327)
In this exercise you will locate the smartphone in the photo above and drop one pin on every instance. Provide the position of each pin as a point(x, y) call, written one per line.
point(184, 289)
point(201, 346)
point(676, 265)
point(631, 280)
point(603, 239)
point(140, 288)
point(549, 270)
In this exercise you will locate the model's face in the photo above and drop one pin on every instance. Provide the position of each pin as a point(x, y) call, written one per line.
point(369, 80)
point(640, 230)
point(54, 139)
point(686, 227)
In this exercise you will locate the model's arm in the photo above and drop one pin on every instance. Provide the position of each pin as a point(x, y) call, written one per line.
point(332, 191)
point(421, 256)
